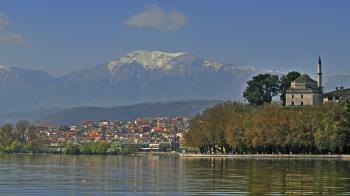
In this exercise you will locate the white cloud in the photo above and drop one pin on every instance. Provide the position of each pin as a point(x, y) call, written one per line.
point(8, 38)
point(155, 17)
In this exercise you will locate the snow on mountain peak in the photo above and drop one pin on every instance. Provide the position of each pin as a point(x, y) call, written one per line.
point(168, 60)
point(154, 59)
point(248, 68)
point(4, 67)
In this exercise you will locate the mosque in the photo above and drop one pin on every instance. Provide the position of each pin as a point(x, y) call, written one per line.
point(306, 91)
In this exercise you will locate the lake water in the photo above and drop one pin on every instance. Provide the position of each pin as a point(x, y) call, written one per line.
point(168, 175)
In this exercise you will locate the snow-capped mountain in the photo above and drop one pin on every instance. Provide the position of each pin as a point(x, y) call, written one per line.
point(138, 77)
point(153, 60)
point(150, 76)
point(167, 61)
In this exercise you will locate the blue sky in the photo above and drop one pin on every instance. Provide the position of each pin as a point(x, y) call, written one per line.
point(62, 36)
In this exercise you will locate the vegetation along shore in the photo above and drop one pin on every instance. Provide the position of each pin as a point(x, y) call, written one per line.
point(233, 127)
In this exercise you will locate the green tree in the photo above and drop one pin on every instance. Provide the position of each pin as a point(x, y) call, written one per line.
point(86, 148)
point(7, 135)
point(285, 84)
point(102, 147)
point(346, 108)
point(71, 148)
point(15, 147)
point(261, 89)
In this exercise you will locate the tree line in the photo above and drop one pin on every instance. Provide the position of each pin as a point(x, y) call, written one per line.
point(98, 148)
point(21, 137)
point(233, 127)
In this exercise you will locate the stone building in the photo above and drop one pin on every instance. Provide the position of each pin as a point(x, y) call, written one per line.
point(306, 91)
point(336, 96)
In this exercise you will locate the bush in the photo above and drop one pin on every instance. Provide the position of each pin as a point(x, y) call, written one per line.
point(128, 150)
point(15, 147)
point(71, 148)
point(95, 148)
point(114, 149)
point(102, 148)
point(86, 149)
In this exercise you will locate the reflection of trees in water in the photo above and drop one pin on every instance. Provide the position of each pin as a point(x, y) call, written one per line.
point(146, 173)
point(267, 176)
point(158, 174)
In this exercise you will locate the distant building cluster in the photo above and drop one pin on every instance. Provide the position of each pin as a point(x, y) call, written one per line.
point(306, 91)
point(148, 133)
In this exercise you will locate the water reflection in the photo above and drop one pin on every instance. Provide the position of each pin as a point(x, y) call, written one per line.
point(168, 175)
point(268, 176)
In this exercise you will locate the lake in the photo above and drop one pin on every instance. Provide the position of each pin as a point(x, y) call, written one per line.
point(47, 174)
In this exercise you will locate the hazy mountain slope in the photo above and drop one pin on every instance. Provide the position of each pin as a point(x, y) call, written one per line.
point(23, 89)
point(80, 114)
point(30, 115)
point(336, 80)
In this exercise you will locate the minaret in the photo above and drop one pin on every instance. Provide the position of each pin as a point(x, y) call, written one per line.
point(319, 72)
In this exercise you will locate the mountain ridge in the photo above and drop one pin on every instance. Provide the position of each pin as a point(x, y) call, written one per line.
point(77, 115)
point(138, 77)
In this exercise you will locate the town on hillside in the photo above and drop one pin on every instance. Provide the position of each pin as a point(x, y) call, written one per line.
point(143, 134)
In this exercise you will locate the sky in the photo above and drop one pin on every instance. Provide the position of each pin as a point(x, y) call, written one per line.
point(62, 36)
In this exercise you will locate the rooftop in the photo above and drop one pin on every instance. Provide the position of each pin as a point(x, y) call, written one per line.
point(339, 92)
point(304, 78)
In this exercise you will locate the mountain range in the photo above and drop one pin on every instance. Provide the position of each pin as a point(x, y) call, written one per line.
point(138, 77)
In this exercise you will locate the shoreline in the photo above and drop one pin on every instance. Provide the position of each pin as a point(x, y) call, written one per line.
point(209, 156)
point(269, 156)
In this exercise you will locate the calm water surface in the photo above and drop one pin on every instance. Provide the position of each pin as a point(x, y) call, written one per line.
point(169, 175)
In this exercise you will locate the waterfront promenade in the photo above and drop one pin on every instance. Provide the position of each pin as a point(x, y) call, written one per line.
point(268, 156)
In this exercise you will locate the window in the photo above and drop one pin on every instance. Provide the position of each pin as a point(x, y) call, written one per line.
point(292, 96)
point(302, 103)
point(302, 96)
point(292, 102)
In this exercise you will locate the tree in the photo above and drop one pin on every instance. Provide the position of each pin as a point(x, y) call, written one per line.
point(261, 89)
point(21, 128)
point(346, 109)
point(102, 147)
point(6, 135)
point(285, 84)
point(271, 128)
